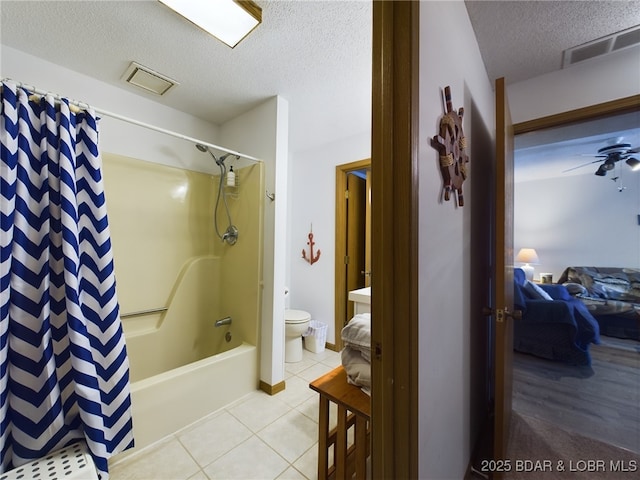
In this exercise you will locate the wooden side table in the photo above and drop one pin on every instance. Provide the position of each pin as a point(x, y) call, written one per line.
point(354, 408)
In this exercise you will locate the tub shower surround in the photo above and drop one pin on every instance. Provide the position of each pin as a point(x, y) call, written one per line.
point(170, 263)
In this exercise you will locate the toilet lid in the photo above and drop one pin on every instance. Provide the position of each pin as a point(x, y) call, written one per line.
point(296, 316)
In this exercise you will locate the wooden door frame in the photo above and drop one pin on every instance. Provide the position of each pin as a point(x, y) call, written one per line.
point(394, 240)
point(341, 246)
point(621, 105)
point(503, 275)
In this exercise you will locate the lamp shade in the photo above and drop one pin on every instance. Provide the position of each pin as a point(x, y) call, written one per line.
point(527, 255)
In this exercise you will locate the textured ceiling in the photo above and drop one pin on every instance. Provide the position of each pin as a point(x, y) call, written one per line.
point(315, 54)
point(523, 39)
point(520, 40)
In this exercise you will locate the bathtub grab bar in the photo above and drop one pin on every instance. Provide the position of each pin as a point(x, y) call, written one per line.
point(144, 312)
point(223, 321)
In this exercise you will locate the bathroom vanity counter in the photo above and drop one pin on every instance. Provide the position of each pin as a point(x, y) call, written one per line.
point(361, 299)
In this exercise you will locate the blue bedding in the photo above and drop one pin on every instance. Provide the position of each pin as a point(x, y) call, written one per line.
point(560, 328)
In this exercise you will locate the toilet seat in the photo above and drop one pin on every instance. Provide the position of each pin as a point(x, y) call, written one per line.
point(296, 316)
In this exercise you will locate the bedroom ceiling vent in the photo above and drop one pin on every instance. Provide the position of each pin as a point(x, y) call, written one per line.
point(147, 79)
point(602, 46)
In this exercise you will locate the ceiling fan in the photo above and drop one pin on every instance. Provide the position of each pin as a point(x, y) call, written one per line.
point(609, 155)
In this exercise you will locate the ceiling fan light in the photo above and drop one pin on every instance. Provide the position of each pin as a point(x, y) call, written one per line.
point(601, 172)
point(634, 163)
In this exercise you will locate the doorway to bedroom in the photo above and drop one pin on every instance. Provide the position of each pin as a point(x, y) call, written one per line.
point(574, 217)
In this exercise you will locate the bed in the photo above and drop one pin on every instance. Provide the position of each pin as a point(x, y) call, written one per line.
point(611, 294)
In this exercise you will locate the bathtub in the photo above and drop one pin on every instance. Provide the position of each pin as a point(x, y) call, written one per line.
point(183, 366)
point(169, 401)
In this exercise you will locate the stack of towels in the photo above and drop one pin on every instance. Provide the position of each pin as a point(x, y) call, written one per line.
point(356, 354)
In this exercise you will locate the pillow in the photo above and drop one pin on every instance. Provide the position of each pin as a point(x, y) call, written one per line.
point(357, 334)
point(358, 331)
point(358, 369)
point(536, 292)
point(576, 289)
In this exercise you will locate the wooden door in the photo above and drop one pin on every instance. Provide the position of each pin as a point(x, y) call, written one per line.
point(503, 291)
point(356, 208)
point(367, 231)
point(394, 241)
point(343, 172)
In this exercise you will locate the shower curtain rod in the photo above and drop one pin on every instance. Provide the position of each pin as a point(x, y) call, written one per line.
point(132, 121)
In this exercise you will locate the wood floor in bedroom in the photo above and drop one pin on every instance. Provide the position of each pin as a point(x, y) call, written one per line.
point(601, 401)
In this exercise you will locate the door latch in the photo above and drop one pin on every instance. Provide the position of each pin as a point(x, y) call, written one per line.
point(502, 313)
point(377, 351)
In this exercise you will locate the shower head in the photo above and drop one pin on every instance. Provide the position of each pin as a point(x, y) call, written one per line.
point(219, 160)
point(204, 148)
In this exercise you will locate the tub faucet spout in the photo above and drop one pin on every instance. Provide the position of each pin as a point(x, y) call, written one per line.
point(223, 321)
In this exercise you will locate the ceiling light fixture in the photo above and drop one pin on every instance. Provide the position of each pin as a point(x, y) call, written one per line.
point(227, 20)
point(601, 172)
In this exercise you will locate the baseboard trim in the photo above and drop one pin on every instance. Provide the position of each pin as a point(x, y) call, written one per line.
point(481, 450)
point(331, 346)
point(272, 389)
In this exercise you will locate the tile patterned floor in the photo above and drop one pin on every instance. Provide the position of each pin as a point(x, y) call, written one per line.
point(258, 437)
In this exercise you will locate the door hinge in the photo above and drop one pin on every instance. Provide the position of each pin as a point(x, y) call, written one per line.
point(377, 351)
point(346, 259)
point(346, 194)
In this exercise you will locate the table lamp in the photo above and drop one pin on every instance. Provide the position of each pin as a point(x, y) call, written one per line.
point(529, 257)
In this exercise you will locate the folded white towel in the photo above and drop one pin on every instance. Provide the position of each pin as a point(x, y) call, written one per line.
point(358, 369)
point(358, 330)
point(357, 334)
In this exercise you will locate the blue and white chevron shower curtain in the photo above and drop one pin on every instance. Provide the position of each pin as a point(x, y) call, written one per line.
point(64, 372)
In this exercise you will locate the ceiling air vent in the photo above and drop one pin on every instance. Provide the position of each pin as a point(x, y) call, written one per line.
point(147, 79)
point(601, 46)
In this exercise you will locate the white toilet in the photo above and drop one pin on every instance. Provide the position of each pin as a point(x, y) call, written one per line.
point(296, 322)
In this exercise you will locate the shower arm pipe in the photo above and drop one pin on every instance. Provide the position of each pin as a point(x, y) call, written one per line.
point(133, 121)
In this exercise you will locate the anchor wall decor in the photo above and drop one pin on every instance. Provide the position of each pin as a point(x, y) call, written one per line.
point(311, 259)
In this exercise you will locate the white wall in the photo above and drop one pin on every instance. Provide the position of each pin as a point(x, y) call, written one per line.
point(583, 219)
point(593, 81)
point(263, 133)
point(579, 220)
point(447, 426)
point(313, 201)
point(117, 136)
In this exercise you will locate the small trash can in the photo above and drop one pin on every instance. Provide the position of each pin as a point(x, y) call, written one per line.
point(315, 337)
